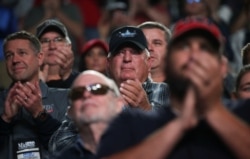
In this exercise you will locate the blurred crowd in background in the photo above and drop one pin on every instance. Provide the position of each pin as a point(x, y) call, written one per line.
point(95, 19)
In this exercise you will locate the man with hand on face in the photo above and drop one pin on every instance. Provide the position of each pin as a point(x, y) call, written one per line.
point(197, 124)
point(129, 64)
point(30, 111)
point(56, 70)
point(95, 101)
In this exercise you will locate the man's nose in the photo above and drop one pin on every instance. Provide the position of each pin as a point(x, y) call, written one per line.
point(52, 44)
point(127, 56)
point(86, 94)
point(150, 47)
point(193, 52)
point(15, 58)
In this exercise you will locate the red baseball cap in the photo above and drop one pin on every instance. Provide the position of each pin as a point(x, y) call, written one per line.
point(94, 42)
point(197, 25)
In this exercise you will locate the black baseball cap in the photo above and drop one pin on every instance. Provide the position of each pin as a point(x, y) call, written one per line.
point(49, 25)
point(126, 35)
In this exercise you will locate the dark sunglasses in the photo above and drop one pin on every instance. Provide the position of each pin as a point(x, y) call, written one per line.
point(95, 89)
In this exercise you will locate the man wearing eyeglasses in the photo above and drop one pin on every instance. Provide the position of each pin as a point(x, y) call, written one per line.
point(56, 70)
point(30, 111)
point(95, 101)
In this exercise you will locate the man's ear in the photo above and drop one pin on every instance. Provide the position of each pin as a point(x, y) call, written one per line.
point(149, 61)
point(225, 67)
point(108, 64)
point(40, 57)
point(120, 104)
point(234, 95)
point(69, 45)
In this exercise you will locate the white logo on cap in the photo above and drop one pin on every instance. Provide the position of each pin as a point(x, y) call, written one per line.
point(49, 22)
point(127, 34)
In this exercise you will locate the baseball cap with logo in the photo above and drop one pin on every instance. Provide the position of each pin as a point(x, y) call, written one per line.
point(49, 25)
point(193, 26)
point(111, 6)
point(127, 35)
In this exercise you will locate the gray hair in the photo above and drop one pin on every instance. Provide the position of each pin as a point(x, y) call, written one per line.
point(68, 40)
point(145, 50)
point(111, 83)
point(244, 52)
point(35, 43)
point(151, 25)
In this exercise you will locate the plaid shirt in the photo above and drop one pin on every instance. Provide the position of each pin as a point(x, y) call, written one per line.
point(158, 95)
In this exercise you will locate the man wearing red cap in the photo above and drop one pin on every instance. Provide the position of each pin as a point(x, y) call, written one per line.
point(198, 124)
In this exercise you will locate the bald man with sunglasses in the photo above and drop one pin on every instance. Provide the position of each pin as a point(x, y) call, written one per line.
point(95, 101)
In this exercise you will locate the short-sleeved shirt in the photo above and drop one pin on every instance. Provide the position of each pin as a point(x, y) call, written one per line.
point(131, 127)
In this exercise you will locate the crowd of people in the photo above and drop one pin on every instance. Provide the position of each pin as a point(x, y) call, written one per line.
point(125, 79)
point(96, 19)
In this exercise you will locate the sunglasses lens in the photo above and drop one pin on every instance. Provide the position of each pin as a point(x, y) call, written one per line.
point(99, 89)
point(76, 93)
point(95, 89)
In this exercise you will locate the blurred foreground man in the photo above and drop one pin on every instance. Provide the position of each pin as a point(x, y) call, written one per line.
point(197, 124)
point(95, 102)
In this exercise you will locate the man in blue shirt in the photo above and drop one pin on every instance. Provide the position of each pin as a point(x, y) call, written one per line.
point(30, 111)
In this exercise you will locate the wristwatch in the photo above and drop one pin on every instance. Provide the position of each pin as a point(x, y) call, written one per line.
point(42, 115)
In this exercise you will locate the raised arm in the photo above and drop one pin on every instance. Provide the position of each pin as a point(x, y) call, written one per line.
point(233, 131)
point(165, 138)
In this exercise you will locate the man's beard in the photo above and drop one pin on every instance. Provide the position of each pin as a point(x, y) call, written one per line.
point(178, 84)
